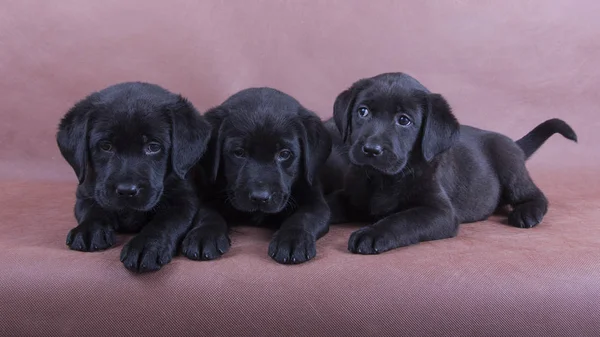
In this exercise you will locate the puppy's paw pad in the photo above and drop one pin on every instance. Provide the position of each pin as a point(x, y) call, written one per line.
point(205, 244)
point(292, 246)
point(526, 216)
point(90, 238)
point(370, 240)
point(146, 254)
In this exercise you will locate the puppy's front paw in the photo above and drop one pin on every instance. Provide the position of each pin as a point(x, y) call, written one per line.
point(205, 243)
point(527, 215)
point(372, 240)
point(146, 253)
point(91, 237)
point(292, 246)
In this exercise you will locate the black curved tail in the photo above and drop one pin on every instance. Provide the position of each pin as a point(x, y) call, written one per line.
point(536, 137)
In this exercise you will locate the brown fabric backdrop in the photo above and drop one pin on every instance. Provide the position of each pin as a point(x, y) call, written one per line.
point(503, 65)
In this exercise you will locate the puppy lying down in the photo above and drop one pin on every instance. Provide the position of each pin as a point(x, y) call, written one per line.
point(416, 174)
point(263, 161)
point(131, 146)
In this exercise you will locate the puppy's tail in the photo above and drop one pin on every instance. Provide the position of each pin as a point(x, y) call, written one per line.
point(536, 137)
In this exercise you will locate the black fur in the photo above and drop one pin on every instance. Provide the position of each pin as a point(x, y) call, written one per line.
point(416, 174)
point(131, 146)
point(257, 181)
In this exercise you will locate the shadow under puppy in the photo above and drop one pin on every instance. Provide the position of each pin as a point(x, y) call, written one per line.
point(131, 146)
point(265, 157)
point(417, 174)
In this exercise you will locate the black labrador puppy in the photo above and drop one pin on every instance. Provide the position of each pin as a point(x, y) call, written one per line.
point(417, 174)
point(265, 158)
point(131, 146)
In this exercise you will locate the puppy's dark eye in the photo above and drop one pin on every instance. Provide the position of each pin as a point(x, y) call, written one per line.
point(363, 111)
point(239, 153)
point(153, 148)
point(284, 155)
point(403, 120)
point(105, 146)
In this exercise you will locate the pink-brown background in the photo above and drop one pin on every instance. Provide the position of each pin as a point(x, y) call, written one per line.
point(503, 65)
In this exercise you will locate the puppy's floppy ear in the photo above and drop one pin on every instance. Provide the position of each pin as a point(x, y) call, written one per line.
point(316, 145)
point(216, 117)
point(189, 136)
point(440, 129)
point(342, 115)
point(342, 108)
point(72, 136)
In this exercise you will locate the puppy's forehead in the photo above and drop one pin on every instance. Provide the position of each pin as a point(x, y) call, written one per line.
point(264, 121)
point(388, 97)
point(132, 121)
point(393, 86)
point(261, 99)
point(398, 81)
point(268, 141)
point(270, 132)
point(263, 115)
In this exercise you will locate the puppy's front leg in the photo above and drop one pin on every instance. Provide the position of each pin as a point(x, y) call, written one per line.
point(295, 241)
point(157, 242)
point(95, 230)
point(208, 239)
point(405, 228)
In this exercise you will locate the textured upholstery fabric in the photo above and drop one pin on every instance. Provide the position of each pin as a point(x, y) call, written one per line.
point(503, 65)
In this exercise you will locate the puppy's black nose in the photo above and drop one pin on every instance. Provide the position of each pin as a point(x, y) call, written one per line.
point(260, 196)
point(372, 149)
point(127, 190)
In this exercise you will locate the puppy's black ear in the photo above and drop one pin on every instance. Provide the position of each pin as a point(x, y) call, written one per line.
point(216, 117)
point(440, 129)
point(342, 108)
point(316, 145)
point(189, 136)
point(342, 114)
point(72, 136)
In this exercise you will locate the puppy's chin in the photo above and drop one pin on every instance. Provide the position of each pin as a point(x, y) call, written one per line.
point(142, 203)
point(243, 204)
point(387, 163)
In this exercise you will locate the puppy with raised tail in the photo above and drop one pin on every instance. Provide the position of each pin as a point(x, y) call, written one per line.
point(131, 146)
point(264, 160)
point(416, 174)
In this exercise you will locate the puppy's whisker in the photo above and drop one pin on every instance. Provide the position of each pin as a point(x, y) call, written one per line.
point(367, 173)
point(229, 197)
point(291, 203)
point(408, 171)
